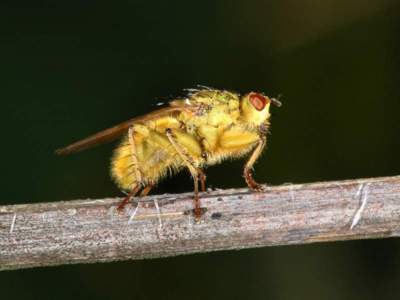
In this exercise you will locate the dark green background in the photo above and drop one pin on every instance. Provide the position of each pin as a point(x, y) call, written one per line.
point(71, 68)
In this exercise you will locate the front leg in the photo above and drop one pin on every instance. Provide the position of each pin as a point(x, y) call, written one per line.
point(247, 171)
point(235, 139)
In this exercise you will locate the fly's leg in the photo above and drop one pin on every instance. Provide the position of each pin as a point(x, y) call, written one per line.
point(134, 191)
point(236, 138)
point(196, 172)
point(202, 178)
point(146, 190)
point(247, 172)
point(128, 197)
point(138, 174)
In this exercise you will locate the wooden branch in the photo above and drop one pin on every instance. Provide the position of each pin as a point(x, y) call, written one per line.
point(88, 231)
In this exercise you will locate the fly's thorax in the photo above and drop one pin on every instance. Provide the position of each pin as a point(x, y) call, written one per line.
point(212, 96)
point(215, 115)
point(215, 108)
point(221, 115)
point(254, 109)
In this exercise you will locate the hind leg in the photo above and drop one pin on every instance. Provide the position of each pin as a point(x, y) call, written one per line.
point(146, 190)
point(128, 197)
point(138, 175)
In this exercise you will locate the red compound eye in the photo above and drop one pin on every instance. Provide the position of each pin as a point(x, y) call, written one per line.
point(258, 101)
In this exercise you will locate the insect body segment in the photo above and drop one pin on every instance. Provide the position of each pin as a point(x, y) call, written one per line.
point(193, 133)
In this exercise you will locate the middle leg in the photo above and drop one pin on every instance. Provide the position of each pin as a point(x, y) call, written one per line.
point(194, 170)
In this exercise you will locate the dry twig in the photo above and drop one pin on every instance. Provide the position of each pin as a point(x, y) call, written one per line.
point(87, 231)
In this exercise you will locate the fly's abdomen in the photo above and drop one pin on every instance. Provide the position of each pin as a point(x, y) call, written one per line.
point(150, 158)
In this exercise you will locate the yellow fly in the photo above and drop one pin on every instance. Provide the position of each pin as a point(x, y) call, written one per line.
point(194, 132)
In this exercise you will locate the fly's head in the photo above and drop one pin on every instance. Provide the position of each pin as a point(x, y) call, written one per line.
point(254, 108)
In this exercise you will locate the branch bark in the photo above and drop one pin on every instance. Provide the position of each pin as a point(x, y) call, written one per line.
point(88, 231)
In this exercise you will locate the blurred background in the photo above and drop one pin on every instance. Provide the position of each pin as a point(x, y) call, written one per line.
point(71, 68)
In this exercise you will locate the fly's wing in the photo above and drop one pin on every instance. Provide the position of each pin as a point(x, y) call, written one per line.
point(112, 133)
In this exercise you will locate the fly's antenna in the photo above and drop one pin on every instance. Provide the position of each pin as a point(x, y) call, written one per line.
point(276, 101)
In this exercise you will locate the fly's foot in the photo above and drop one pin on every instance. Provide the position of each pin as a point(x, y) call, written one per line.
point(197, 212)
point(123, 203)
point(128, 198)
point(258, 188)
point(251, 183)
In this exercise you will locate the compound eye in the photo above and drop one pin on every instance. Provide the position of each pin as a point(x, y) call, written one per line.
point(258, 101)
